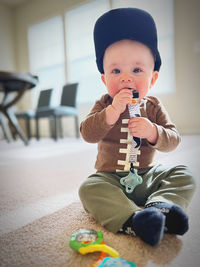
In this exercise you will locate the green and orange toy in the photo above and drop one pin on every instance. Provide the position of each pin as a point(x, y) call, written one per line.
point(88, 240)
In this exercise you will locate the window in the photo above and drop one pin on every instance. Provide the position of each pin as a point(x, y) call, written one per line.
point(46, 55)
point(80, 50)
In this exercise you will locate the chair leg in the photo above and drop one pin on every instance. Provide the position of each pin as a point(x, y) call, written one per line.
point(51, 126)
point(28, 128)
point(55, 128)
point(37, 128)
point(77, 127)
point(60, 128)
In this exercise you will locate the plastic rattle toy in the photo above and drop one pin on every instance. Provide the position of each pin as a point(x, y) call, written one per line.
point(87, 241)
point(118, 262)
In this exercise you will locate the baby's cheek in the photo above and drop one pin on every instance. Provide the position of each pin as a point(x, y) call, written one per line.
point(112, 92)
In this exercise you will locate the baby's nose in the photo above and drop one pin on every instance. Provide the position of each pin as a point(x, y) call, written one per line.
point(125, 77)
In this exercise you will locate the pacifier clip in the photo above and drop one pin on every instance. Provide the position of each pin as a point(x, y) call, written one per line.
point(133, 179)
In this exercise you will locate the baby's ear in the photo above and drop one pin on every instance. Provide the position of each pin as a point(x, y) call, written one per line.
point(103, 79)
point(154, 78)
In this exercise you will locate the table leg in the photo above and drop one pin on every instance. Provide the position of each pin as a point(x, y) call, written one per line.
point(14, 122)
point(5, 109)
point(5, 128)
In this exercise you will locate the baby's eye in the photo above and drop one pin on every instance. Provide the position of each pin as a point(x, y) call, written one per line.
point(137, 70)
point(116, 71)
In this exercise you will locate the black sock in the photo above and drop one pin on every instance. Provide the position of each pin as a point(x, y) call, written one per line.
point(148, 224)
point(176, 219)
point(127, 227)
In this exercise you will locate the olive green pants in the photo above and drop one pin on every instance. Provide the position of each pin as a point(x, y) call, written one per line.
point(106, 200)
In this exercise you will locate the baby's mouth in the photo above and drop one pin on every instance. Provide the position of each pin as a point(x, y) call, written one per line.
point(133, 90)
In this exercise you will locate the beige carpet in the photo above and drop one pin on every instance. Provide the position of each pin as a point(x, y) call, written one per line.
point(49, 171)
point(45, 243)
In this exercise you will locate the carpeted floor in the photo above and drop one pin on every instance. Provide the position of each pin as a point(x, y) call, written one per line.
point(45, 243)
point(40, 209)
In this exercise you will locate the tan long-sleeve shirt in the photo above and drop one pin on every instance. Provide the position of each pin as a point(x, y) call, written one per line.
point(114, 141)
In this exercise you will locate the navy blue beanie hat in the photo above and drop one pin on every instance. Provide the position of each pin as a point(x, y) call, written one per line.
point(125, 23)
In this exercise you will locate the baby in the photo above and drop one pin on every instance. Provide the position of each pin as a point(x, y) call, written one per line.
point(129, 61)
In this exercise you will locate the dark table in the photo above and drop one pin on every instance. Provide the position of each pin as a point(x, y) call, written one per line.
point(14, 82)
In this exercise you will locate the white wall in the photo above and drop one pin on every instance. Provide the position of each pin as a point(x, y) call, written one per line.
point(7, 53)
point(184, 105)
point(7, 44)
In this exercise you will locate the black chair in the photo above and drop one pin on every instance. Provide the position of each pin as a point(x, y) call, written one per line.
point(67, 107)
point(44, 102)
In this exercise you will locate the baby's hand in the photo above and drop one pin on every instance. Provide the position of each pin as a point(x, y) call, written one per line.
point(121, 100)
point(143, 128)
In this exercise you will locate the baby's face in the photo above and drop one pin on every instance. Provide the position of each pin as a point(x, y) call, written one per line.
point(128, 64)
